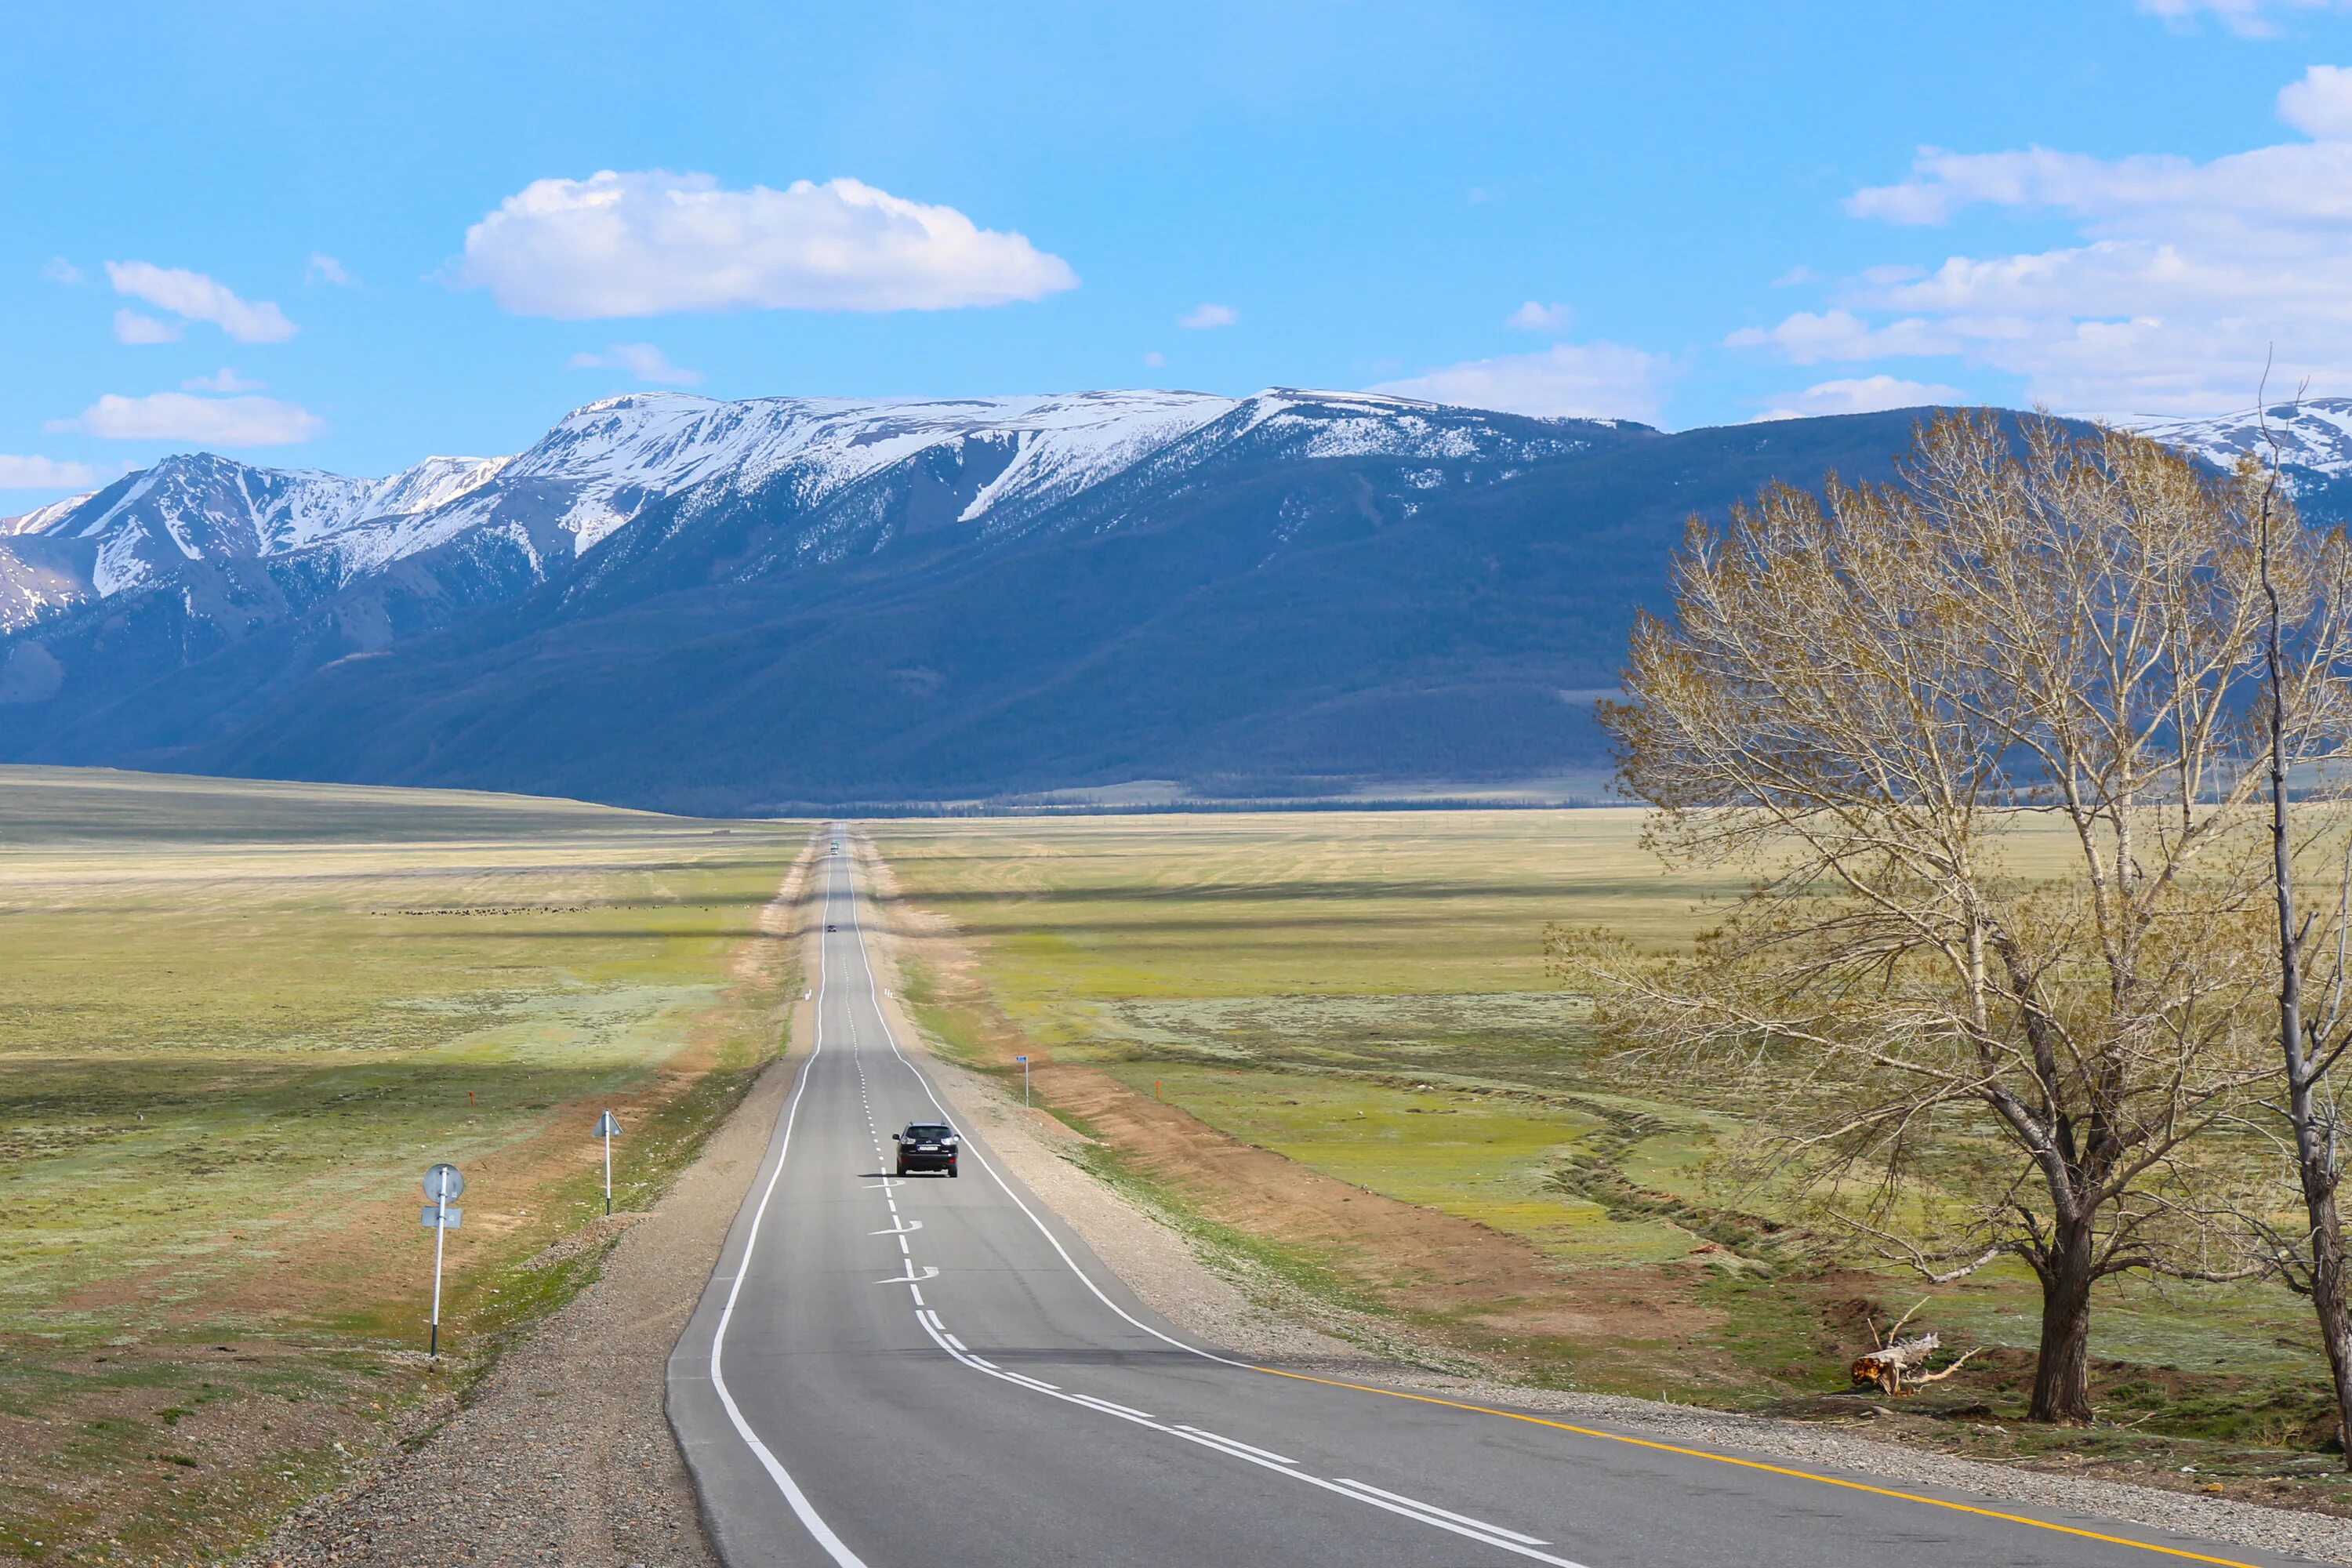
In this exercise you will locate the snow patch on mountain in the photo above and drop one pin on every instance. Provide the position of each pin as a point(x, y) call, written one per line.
point(2315, 437)
point(601, 467)
point(616, 456)
point(41, 519)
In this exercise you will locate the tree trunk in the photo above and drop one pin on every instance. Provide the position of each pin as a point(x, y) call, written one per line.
point(2061, 1372)
point(2328, 1283)
point(2314, 1152)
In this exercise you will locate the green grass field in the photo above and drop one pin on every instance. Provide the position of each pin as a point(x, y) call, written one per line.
point(1365, 994)
point(236, 1022)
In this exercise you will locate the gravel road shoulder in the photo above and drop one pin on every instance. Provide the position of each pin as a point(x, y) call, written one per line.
point(562, 1453)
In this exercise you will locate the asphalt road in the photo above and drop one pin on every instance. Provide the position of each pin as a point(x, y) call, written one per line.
point(937, 1374)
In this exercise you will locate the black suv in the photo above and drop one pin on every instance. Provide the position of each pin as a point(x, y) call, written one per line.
point(927, 1146)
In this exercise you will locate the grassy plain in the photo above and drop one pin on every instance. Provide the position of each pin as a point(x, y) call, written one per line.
point(1364, 995)
point(236, 1022)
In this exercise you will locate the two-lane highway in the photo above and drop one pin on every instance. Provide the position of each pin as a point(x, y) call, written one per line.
point(907, 1371)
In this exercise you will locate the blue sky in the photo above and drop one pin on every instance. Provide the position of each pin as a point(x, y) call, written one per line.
point(324, 236)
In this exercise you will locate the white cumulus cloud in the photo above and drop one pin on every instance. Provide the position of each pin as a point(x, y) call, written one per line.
point(181, 416)
point(1865, 394)
point(1591, 381)
point(1202, 317)
point(1535, 317)
point(2183, 277)
point(648, 243)
point(44, 474)
point(135, 327)
point(196, 297)
point(643, 360)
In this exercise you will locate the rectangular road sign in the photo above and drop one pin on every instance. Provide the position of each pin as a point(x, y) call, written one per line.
point(453, 1219)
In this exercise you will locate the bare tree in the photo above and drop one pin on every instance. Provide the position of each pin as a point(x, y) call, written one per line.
point(2304, 595)
point(1977, 1040)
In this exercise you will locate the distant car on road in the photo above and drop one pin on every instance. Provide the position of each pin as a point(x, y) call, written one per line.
point(927, 1146)
point(830, 927)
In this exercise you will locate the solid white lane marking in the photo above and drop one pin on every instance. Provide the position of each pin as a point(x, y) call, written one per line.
point(1040, 1384)
point(1505, 1541)
point(1441, 1513)
point(930, 1271)
point(1486, 1535)
point(904, 1227)
point(802, 1509)
point(957, 1344)
point(1229, 1442)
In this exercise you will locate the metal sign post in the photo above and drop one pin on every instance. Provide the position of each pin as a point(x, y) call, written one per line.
point(442, 1183)
point(608, 1129)
point(1024, 1082)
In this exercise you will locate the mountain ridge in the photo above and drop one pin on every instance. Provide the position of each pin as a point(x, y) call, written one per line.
point(713, 605)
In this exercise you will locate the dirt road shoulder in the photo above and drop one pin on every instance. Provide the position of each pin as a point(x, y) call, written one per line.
point(562, 1453)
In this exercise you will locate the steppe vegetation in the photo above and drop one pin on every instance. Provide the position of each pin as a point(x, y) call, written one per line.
point(1367, 997)
point(236, 1022)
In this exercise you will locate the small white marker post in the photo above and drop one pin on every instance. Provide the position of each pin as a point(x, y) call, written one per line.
point(608, 1129)
point(442, 1183)
point(1024, 1082)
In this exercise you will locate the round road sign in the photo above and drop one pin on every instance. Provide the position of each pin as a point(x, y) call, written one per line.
point(443, 1183)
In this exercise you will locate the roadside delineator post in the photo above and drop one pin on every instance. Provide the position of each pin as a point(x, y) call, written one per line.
point(442, 1183)
point(1024, 1082)
point(608, 1129)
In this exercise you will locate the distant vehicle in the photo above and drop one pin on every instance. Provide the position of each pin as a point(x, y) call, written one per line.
point(829, 926)
point(927, 1146)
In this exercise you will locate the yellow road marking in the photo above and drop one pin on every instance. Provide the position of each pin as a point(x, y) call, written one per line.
point(1759, 1465)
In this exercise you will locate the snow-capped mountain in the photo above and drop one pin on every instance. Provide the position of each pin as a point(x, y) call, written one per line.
point(2313, 438)
point(604, 465)
point(164, 613)
point(146, 528)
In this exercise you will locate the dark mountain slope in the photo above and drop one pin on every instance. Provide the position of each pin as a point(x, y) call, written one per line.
point(1274, 620)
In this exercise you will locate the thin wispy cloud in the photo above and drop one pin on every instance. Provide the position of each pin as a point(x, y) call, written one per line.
point(1204, 317)
point(221, 380)
point(643, 360)
point(1537, 317)
point(183, 416)
point(132, 327)
point(1864, 395)
point(2246, 18)
point(649, 243)
point(1585, 381)
point(325, 268)
point(58, 270)
point(193, 297)
point(25, 473)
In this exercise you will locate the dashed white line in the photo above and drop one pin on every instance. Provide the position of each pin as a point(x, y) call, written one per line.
point(1425, 1513)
